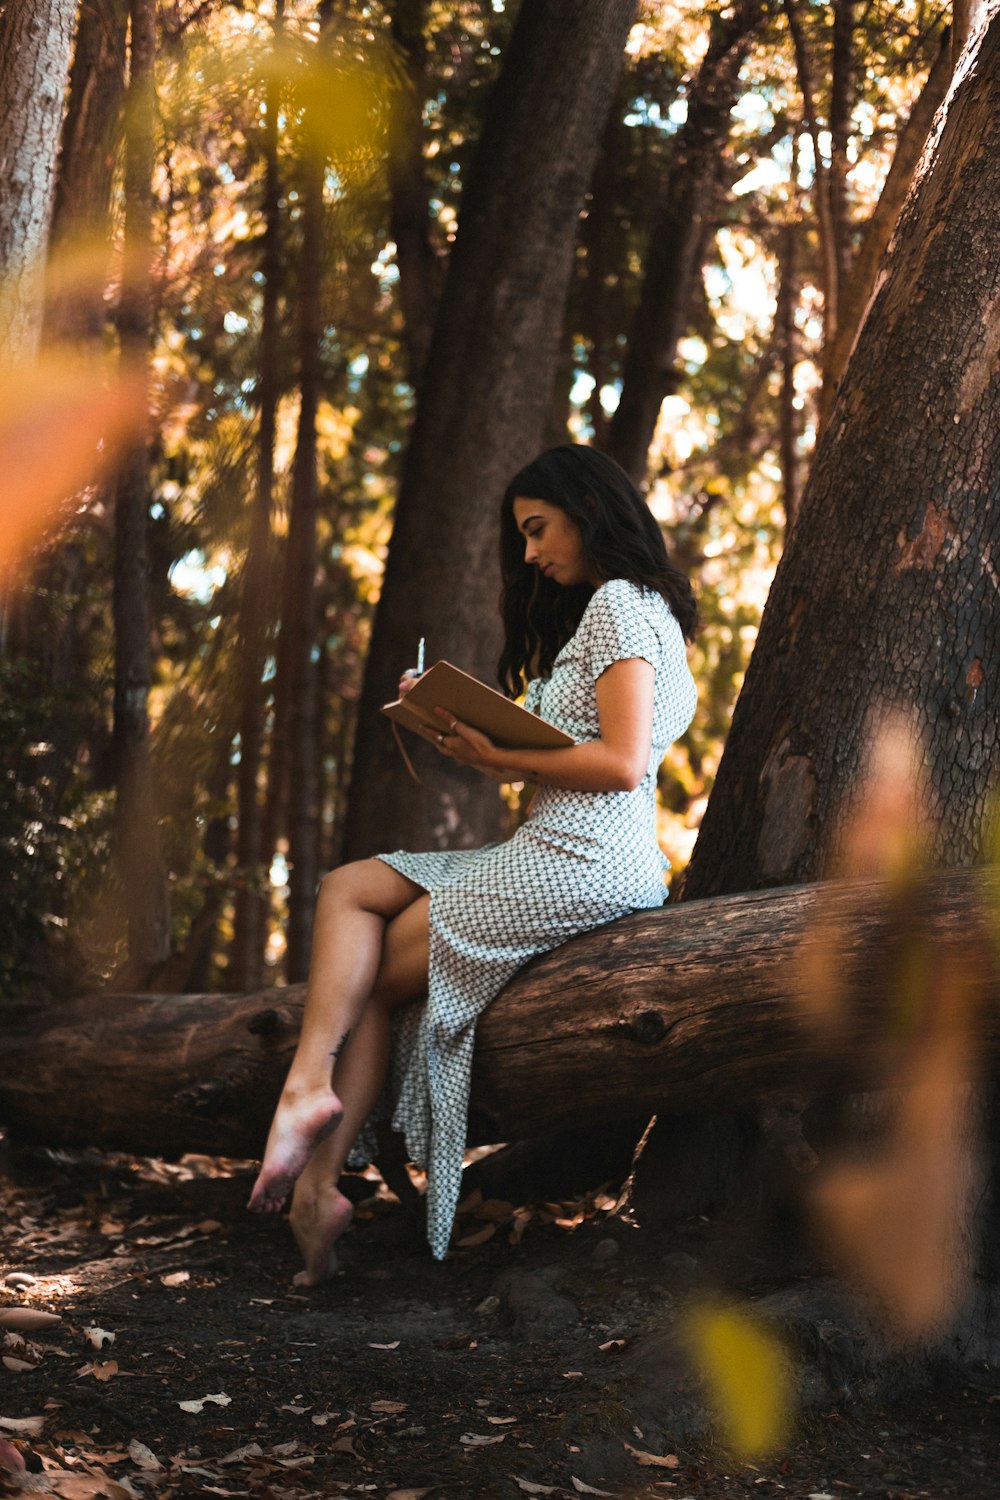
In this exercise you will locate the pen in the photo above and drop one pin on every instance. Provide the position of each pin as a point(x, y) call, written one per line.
point(420, 657)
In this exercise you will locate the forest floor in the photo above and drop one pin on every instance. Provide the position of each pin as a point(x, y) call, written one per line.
point(181, 1360)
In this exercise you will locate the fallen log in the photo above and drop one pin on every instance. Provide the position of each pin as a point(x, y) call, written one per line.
point(689, 1008)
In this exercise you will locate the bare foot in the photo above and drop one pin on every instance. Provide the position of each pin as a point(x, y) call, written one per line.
point(298, 1126)
point(318, 1220)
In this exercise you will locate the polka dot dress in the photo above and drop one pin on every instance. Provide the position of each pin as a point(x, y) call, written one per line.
point(580, 859)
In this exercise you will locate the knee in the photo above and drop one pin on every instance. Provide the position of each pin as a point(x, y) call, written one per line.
point(341, 884)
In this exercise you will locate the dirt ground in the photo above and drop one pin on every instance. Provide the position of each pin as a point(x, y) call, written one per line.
point(183, 1362)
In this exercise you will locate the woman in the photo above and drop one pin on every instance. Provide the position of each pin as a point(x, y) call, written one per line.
point(596, 618)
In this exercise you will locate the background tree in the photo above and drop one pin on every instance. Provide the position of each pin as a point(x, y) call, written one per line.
point(35, 43)
point(483, 401)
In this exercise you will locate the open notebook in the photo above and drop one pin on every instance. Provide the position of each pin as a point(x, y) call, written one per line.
point(505, 722)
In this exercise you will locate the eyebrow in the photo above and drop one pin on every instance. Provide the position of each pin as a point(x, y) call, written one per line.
point(528, 520)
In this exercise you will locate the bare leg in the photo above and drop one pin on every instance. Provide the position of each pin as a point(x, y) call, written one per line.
point(320, 1213)
point(355, 903)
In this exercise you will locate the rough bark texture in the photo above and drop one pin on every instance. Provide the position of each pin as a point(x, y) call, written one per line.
point(142, 871)
point(680, 1010)
point(679, 240)
point(890, 585)
point(483, 405)
point(35, 42)
point(246, 955)
point(857, 289)
point(91, 136)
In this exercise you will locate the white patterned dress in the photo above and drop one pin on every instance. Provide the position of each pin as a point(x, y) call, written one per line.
point(580, 859)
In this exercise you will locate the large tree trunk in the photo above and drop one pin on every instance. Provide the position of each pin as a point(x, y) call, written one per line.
point(679, 240)
point(35, 42)
point(682, 1009)
point(888, 588)
point(140, 862)
point(482, 406)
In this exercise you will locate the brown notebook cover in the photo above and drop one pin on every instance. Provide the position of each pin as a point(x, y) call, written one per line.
point(507, 723)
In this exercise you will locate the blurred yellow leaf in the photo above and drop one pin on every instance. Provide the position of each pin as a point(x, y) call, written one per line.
point(746, 1375)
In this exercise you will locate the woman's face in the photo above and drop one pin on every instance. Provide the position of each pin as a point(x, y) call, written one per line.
point(552, 542)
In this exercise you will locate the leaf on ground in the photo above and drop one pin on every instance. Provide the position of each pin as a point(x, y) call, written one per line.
point(410, 1494)
point(100, 1369)
point(613, 1346)
point(143, 1456)
point(248, 1450)
point(27, 1426)
point(10, 1457)
point(13, 1363)
point(654, 1460)
point(297, 1411)
point(24, 1319)
point(481, 1440)
point(530, 1488)
point(572, 1374)
point(98, 1337)
point(586, 1489)
point(393, 1345)
point(196, 1406)
point(480, 1237)
point(320, 1418)
point(388, 1406)
point(500, 1421)
point(345, 1444)
point(84, 1486)
point(176, 1278)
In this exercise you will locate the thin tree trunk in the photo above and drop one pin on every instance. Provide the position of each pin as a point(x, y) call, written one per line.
point(679, 240)
point(252, 858)
point(91, 136)
point(821, 178)
point(841, 105)
point(888, 587)
point(483, 404)
point(35, 42)
point(420, 272)
point(786, 335)
point(143, 875)
point(298, 617)
point(857, 291)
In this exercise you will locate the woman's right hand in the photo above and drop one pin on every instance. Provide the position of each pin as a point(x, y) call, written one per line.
point(406, 682)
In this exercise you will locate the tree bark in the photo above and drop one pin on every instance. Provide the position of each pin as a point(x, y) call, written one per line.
point(140, 862)
point(252, 858)
point(91, 136)
point(680, 1010)
point(35, 42)
point(888, 589)
point(483, 405)
point(679, 241)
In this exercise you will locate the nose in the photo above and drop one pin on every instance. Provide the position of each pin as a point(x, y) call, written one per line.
point(530, 550)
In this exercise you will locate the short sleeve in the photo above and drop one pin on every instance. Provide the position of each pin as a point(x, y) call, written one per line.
point(619, 623)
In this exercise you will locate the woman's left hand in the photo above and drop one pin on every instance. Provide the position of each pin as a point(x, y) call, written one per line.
point(466, 745)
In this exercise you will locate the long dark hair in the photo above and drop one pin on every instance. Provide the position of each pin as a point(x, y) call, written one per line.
point(620, 538)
